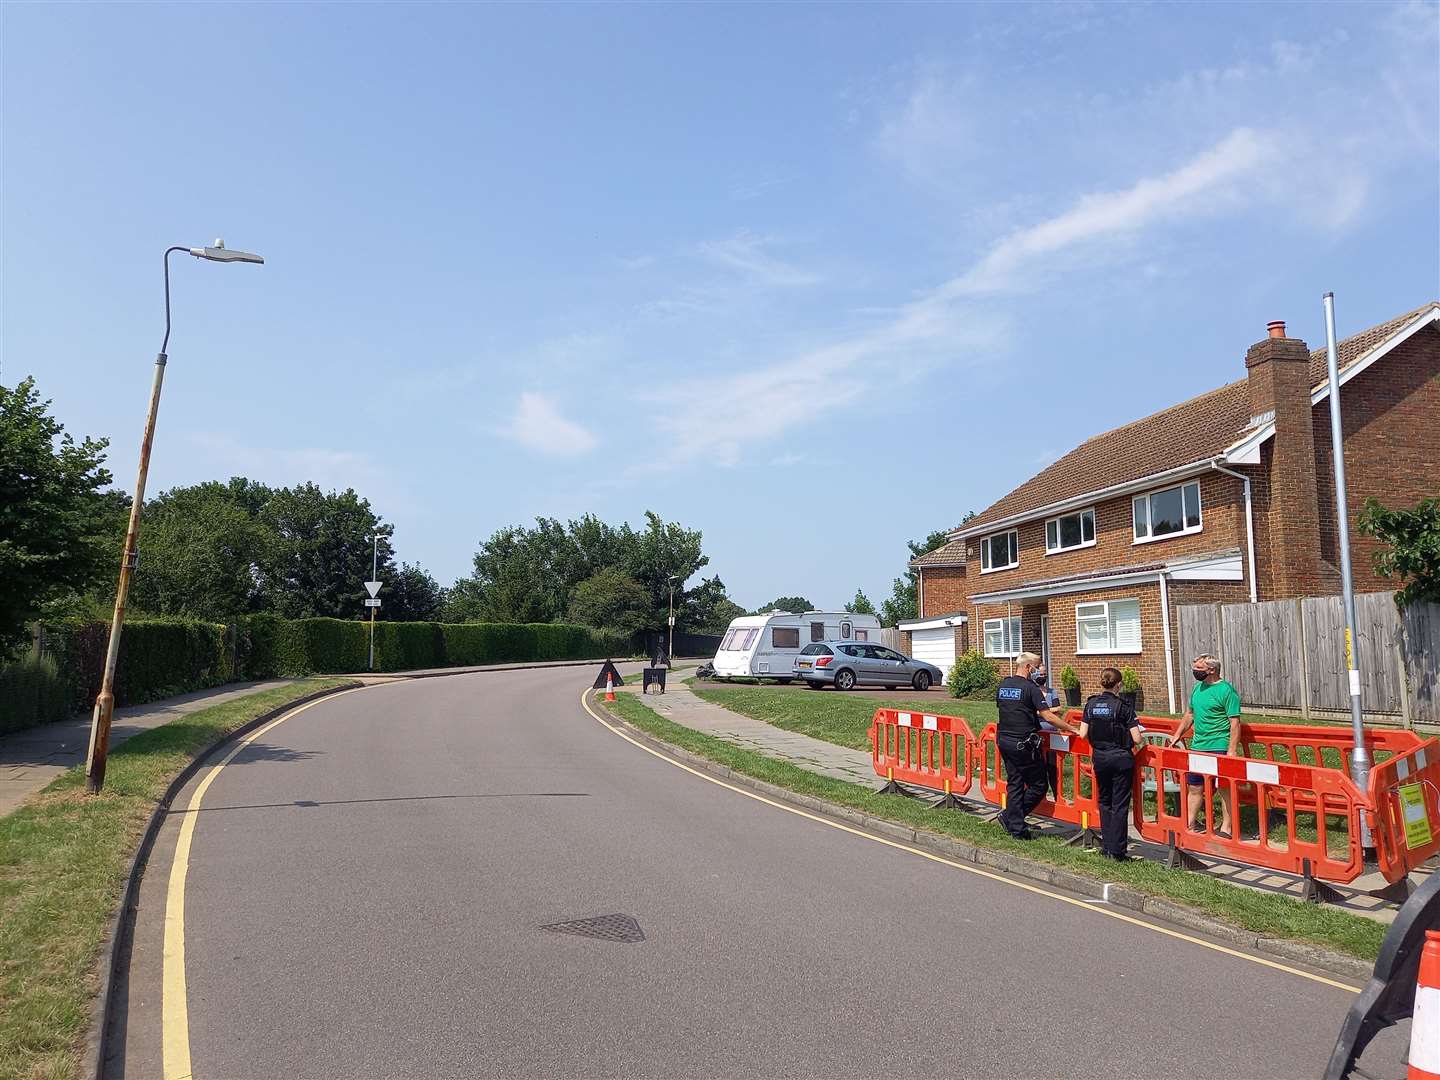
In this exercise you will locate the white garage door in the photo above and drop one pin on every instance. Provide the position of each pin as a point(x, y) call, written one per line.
point(935, 646)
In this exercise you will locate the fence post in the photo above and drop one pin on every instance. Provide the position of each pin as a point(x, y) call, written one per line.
point(1405, 718)
point(1304, 660)
point(1219, 638)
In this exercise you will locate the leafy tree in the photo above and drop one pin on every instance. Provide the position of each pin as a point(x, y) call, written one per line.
point(55, 526)
point(1413, 554)
point(903, 603)
point(708, 609)
point(463, 602)
point(321, 552)
point(611, 600)
point(201, 553)
point(411, 595)
point(861, 604)
point(798, 605)
point(657, 553)
point(523, 575)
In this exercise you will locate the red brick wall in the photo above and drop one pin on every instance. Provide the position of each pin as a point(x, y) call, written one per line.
point(1391, 420)
point(943, 590)
point(1222, 513)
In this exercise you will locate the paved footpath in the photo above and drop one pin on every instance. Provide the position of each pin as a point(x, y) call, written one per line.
point(473, 876)
point(680, 705)
point(31, 758)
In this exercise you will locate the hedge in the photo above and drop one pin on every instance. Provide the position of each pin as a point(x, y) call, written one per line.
point(32, 692)
point(158, 658)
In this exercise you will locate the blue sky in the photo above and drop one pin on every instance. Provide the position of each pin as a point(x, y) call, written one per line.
point(814, 280)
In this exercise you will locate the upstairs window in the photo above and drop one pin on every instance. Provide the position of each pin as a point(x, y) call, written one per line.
point(1000, 552)
point(785, 637)
point(1070, 531)
point(1172, 512)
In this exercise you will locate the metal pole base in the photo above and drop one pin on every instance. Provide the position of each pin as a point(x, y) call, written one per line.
point(1177, 858)
point(948, 801)
point(1088, 839)
point(892, 788)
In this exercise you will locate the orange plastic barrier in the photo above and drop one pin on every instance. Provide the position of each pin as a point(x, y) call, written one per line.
point(1405, 798)
point(1332, 852)
point(924, 749)
point(1072, 798)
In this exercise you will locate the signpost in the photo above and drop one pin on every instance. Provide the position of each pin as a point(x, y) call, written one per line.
point(372, 587)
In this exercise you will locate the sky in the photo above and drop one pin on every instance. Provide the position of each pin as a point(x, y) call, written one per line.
point(815, 280)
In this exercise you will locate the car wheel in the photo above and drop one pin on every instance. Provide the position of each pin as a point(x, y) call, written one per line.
point(922, 680)
point(844, 679)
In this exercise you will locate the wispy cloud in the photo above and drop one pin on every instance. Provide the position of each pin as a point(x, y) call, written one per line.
point(1194, 187)
point(751, 255)
point(539, 426)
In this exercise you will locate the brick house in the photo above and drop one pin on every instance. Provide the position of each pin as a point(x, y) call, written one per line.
point(941, 632)
point(1226, 497)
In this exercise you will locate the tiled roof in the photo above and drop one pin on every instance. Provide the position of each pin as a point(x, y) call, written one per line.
point(951, 554)
point(1189, 432)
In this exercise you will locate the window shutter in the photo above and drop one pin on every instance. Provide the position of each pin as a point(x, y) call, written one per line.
point(1125, 624)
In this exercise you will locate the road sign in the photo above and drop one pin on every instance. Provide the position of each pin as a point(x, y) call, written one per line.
point(372, 587)
point(372, 603)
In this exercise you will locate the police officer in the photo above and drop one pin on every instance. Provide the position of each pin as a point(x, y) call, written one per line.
point(1022, 704)
point(1114, 735)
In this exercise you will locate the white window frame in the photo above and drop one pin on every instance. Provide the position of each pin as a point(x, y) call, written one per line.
point(985, 551)
point(1083, 543)
point(1104, 606)
point(1150, 538)
point(998, 623)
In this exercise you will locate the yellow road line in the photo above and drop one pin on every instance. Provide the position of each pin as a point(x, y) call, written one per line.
point(174, 1009)
point(1084, 904)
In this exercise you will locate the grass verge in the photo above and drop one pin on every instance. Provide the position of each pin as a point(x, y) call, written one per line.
point(63, 861)
point(1263, 913)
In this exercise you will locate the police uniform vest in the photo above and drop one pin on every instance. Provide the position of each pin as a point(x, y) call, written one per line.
point(1110, 721)
point(1019, 702)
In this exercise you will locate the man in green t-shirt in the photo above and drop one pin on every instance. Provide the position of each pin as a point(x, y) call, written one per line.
point(1214, 713)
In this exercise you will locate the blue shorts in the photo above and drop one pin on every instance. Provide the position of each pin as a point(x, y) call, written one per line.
point(1195, 779)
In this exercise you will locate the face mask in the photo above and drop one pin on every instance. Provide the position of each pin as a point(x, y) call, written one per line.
point(1040, 678)
point(1201, 674)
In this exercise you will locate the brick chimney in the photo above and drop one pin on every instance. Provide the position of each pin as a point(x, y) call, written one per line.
point(1278, 376)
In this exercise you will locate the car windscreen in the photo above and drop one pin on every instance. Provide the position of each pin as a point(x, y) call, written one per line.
point(816, 650)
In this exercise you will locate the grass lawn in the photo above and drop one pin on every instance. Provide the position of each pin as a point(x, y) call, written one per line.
point(1264, 913)
point(63, 858)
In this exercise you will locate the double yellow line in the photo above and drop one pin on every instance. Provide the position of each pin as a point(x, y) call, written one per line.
point(1108, 912)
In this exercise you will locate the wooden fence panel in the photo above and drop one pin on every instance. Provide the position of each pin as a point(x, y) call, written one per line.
point(1290, 654)
point(1262, 652)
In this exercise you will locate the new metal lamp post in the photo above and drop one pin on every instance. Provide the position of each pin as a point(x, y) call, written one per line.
point(105, 701)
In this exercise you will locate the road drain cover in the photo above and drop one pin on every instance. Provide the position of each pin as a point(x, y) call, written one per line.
point(604, 927)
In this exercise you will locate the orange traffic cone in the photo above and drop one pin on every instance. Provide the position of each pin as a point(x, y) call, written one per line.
point(1425, 1016)
point(609, 688)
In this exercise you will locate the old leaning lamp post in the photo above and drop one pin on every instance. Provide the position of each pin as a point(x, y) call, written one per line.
point(105, 701)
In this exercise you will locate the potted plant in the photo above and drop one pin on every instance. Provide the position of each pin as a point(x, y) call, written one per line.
point(1070, 683)
point(1130, 691)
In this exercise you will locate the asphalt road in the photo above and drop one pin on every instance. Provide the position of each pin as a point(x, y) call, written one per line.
point(367, 883)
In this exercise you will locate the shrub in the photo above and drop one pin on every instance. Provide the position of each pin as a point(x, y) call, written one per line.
point(1129, 680)
point(1068, 679)
point(407, 646)
point(32, 692)
point(972, 675)
point(158, 657)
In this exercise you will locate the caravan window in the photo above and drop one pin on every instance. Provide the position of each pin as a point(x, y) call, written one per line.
point(785, 637)
point(731, 641)
point(845, 629)
point(749, 639)
point(817, 631)
point(862, 635)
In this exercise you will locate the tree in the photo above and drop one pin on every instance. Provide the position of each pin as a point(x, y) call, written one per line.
point(321, 553)
point(708, 609)
point(201, 552)
point(54, 522)
point(902, 603)
point(797, 605)
point(657, 553)
point(411, 595)
point(861, 604)
point(611, 599)
point(1413, 554)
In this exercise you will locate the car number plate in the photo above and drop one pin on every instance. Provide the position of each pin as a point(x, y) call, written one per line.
point(804, 663)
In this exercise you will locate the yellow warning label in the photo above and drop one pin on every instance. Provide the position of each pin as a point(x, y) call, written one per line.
point(1349, 650)
point(1412, 810)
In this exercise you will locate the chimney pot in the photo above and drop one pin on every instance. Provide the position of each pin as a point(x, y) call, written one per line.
point(1276, 328)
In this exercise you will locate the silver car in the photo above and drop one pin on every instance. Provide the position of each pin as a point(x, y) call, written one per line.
point(848, 664)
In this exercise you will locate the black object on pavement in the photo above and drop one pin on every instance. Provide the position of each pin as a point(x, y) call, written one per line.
point(1389, 996)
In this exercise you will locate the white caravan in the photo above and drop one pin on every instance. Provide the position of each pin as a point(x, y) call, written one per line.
point(765, 646)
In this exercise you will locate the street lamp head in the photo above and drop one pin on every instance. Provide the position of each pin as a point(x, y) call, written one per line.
point(220, 253)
